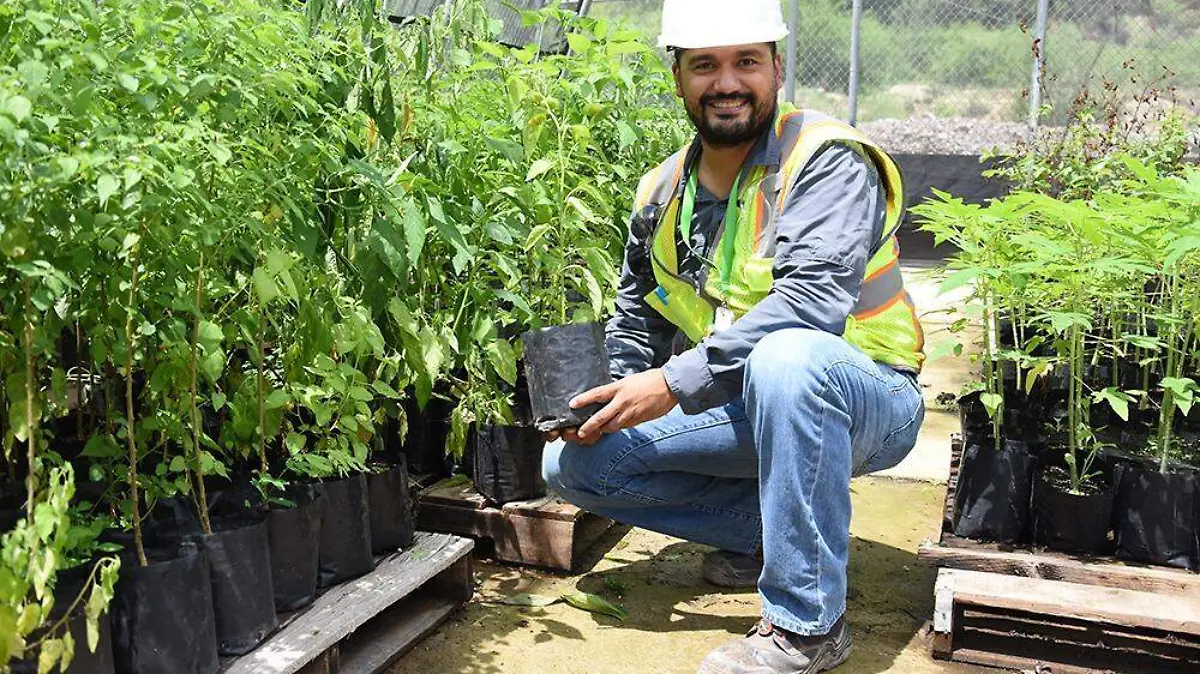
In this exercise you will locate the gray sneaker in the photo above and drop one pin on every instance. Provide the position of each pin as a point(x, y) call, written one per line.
point(766, 649)
point(730, 569)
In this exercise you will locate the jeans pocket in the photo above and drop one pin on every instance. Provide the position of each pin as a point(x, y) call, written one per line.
point(909, 414)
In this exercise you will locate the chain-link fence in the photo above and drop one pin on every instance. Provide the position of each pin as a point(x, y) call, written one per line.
point(976, 58)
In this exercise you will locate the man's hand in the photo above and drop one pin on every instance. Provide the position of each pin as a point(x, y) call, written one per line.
point(631, 401)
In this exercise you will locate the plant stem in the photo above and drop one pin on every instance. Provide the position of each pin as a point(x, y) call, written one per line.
point(30, 421)
point(131, 440)
point(262, 384)
point(197, 452)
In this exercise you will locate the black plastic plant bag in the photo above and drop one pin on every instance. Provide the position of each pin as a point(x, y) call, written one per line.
point(562, 362)
point(345, 548)
point(1155, 516)
point(991, 501)
point(243, 597)
point(294, 533)
point(69, 583)
point(508, 463)
point(162, 616)
point(424, 447)
point(1071, 522)
point(390, 508)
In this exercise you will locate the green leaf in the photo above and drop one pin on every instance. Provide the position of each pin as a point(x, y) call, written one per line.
point(218, 400)
point(128, 82)
point(276, 399)
point(414, 234)
point(504, 359)
point(48, 657)
point(211, 333)
point(385, 389)
point(178, 464)
point(594, 604)
point(295, 443)
point(212, 365)
point(1117, 399)
point(106, 186)
point(264, 286)
point(957, 280)
point(18, 107)
point(992, 402)
point(538, 168)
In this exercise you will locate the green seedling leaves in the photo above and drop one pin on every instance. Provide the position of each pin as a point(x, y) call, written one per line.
point(992, 403)
point(1117, 399)
point(594, 604)
point(583, 601)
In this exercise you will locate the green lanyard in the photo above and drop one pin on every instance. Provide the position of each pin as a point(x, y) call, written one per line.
point(732, 221)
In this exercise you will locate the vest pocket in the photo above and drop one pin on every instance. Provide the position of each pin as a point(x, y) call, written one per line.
point(685, 309)
point(759, 274)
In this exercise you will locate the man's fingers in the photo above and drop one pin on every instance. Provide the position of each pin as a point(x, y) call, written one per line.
point(600, 394)
point(599, 420)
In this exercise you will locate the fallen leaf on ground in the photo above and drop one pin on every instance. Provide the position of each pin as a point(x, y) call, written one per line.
point(594, 604)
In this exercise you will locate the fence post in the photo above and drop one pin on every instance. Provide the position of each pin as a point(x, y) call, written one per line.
point(855, 35)
point(1039, 61)
point(789, 91)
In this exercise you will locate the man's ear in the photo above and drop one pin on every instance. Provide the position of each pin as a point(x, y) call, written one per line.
point(778, 71)
point(678, 79)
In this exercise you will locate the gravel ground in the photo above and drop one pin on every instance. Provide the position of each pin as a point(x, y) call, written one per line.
point(961, 136)
point(954, 136)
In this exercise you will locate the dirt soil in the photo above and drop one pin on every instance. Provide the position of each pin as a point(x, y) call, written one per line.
point(675, 617)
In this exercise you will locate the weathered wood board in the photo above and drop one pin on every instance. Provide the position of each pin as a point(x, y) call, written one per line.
point(363, 625)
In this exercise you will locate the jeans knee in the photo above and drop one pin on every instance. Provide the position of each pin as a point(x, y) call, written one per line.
point(792, 356)
point(572, 470)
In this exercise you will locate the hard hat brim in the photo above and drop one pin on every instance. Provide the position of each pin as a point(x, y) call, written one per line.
point(720, 40)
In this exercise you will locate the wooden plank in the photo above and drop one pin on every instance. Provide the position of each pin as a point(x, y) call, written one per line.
point(1089, 603)
point(382, 642)
point(956, 452)
point(536, 541)
point(1060, 567)
point(460, 495)
point(549, 507)
point(1018, 663)
point(1123, 642)
point(345, 608)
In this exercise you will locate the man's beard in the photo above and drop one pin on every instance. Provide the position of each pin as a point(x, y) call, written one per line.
point(732, 133)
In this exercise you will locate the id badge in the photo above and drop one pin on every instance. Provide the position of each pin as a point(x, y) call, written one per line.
point(723, 319)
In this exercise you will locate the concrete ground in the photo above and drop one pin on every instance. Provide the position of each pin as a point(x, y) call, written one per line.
point(675, 617)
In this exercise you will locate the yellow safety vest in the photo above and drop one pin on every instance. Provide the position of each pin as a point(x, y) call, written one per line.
point(883, 323)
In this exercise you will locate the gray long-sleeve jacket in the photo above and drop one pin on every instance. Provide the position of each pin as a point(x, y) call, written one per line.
point(824, 233)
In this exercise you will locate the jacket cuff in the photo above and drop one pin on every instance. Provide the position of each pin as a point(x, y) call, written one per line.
point(690, 379)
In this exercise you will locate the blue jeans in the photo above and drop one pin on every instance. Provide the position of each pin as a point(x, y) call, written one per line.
point(772, 469)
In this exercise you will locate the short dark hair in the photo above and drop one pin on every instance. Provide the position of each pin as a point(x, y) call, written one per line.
point(678, 51)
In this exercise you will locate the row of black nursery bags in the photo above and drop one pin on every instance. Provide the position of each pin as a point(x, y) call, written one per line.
point(203, 596)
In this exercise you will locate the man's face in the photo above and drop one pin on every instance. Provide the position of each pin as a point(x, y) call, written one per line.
point(729, 92)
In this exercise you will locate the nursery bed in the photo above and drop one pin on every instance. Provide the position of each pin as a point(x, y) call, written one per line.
point(1005, 607)
point(362, 626)
point(544, 532)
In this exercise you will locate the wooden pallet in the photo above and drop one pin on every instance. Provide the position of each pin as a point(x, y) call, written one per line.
point(1046, 611)
point(545, 532)
point(1030, 624)
point(364, 625)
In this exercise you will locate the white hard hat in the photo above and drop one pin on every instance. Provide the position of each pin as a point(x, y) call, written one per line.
point(700, 24)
